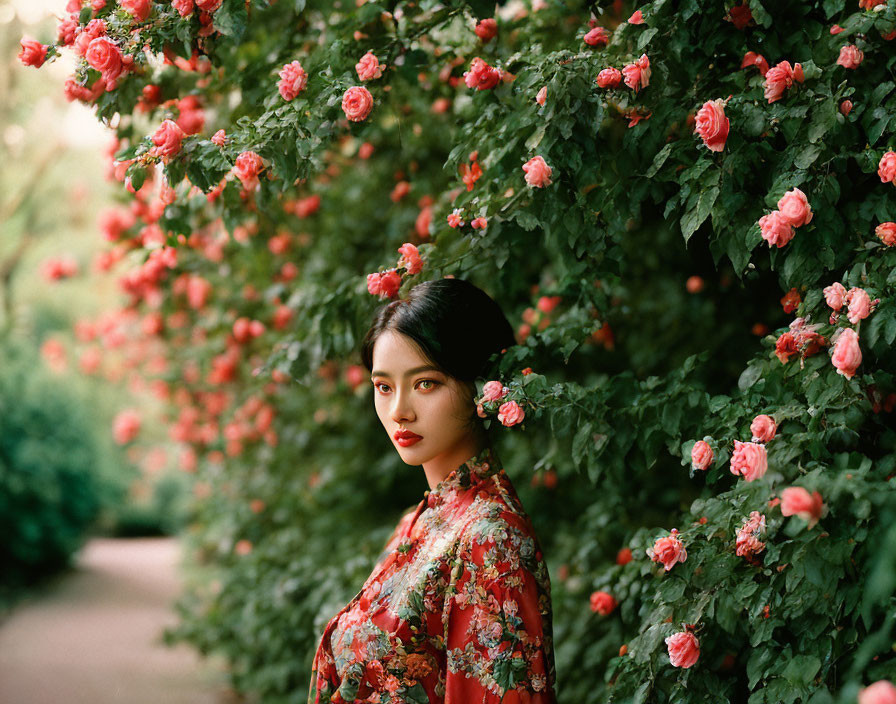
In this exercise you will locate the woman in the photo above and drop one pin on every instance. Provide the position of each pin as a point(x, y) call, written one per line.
point(458, 606)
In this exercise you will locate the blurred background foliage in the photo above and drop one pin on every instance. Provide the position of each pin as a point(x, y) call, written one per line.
point(62, 476)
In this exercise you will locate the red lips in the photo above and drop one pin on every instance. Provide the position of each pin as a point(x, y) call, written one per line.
point(405, 438)
point(404, 434)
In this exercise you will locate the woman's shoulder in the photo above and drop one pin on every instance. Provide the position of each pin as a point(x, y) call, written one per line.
point(498, 524)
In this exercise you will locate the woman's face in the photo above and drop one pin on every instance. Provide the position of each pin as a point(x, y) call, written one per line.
point(410, 394)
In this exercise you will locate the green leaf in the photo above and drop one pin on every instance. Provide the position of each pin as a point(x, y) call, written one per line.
point(526, 219)
point(801, 670)
point(760, 14)
point(757, 665)
point(832, 7)
point(645, 37)
point(231, 18)
point(137, 174)
point(692, 219)
point(659, 160)
point(580, 443)
point(754, 120)
point(749, 376)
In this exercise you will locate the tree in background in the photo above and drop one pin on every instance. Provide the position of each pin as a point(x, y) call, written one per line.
point(685, 208)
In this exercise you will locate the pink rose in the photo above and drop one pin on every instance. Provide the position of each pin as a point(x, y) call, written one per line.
point(492, 391)
point(887, 233)
point(245, 330)
point(486, 29)
point(94, 29)
point(57, 268)
point(749, 460)
point(740, 15)
point(609, 78)
point(845, 107)
point(247, 167)
point(67, 30)
point(777, 79)
point(701, 455)
point(357, 103)
point(886, 168)
point(751, 58)
point(167, 139)
point(390, 281)
point(510, 413)
point(859, 305)
point(454, 219)
point(103, 55)
point(373, 284)
point(669, 550)
point(538, 173)
point(602, 603)
point(481, 76)
point(712, 125)
point(791, 300)
point(219, 138)
point(834, 295)
point(684, 649)
point(847, 355)
point(636, 18)
point(139, 9)
point(126, 426)
point(293, 80)
point(191, 119)
point(368, 67)
point(637, 75)
point(794, 208)
point(423, 221)
point(747, 543)
point(597, 37)
point(850, 56)
point(880, 692)
point(796, 501)
point(542, 95)
point(183, 7)
point(776, 229)
point(785, 347)
point(763, 428)
point(410, 258)
point(547, 303)
point(835, 29)
point(208, 5)
point(33, 53)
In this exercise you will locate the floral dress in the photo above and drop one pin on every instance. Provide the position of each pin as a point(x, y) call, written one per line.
point(457, 609)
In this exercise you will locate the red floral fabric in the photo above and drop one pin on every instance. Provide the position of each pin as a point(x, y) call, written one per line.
point(457, 609)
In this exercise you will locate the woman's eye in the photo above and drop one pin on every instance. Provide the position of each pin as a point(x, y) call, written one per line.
point(377, 386)
point(431, 382)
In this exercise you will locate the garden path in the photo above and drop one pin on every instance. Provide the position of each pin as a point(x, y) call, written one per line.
point(94, 635)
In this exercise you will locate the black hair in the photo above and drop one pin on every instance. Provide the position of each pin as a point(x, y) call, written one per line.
point(456, 326)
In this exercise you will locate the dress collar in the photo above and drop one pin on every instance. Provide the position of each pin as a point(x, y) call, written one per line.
point(469, 474)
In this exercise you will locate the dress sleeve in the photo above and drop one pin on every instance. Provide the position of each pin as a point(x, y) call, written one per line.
point(497, 620)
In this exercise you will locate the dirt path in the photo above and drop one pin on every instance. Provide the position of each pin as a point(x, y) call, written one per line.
point(94, 637)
